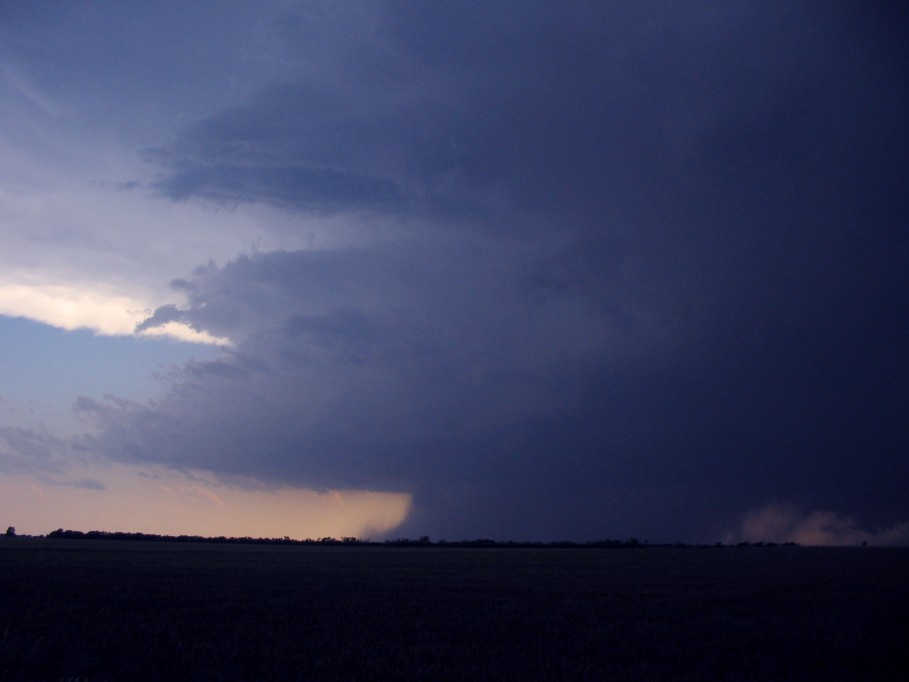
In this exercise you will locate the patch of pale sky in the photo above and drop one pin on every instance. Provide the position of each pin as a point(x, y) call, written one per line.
point(84, 250)
point(48, 368)
point(82, 253)
point(88, 306)
point(159, 500)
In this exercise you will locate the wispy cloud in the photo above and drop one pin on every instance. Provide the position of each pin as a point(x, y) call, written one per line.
point(30, 450)
point(84, 483)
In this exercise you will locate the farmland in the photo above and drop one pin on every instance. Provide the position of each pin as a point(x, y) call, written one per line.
point(104, 610)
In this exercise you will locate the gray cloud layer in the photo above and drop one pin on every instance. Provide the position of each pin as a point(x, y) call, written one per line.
point(622, 268)
point(23, 449)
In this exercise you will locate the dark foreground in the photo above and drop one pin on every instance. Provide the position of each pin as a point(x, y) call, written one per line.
point(77, 610)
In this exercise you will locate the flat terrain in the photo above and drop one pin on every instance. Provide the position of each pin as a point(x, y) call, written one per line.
point(101, 610)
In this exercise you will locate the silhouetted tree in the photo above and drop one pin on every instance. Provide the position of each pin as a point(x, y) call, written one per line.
point(10, 532)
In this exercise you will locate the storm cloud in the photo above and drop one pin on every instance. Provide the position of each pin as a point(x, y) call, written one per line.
point(586, 270)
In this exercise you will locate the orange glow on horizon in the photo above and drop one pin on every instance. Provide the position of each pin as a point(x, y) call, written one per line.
point(158, 500)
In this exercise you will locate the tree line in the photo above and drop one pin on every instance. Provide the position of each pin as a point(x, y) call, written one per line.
point(423, 541)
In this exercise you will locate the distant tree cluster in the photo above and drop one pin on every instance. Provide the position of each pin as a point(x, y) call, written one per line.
point(347, 541)
point(422, 541)
point(154, 537)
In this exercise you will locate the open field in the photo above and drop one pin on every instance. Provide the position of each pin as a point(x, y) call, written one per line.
point(101, 610)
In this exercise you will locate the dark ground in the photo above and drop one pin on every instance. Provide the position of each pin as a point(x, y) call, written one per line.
point(101, 610)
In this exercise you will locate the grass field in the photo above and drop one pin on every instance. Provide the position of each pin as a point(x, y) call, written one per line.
point(99, 610)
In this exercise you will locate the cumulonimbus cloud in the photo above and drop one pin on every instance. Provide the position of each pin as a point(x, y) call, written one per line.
point(575, 266)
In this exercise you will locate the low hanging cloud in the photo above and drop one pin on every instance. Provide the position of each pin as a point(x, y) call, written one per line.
point(786, 523)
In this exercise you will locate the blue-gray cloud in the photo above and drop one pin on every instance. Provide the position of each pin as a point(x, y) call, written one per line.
point(84, 483)
point(626, 268)
point(30, 450)
point(296, 187)
point(161, 316)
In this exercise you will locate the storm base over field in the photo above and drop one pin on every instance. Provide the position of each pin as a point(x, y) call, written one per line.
point(509, 270)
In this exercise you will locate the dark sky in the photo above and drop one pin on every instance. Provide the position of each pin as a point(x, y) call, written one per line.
point(559, 270)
